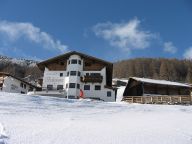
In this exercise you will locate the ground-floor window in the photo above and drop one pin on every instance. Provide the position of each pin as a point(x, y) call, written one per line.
point(97, 87)
point(50, 87)
point(59, 87)
point(108, 93)
point(86, 87)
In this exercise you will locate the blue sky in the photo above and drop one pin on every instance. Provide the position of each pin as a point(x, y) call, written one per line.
point(112, 30)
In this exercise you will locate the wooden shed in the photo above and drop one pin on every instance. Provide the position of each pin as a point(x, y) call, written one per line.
point(150, 87)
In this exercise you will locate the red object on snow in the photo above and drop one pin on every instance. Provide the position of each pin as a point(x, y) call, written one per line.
point(81, 94)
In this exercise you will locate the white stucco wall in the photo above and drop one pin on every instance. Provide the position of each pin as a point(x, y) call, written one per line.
point(12, 85)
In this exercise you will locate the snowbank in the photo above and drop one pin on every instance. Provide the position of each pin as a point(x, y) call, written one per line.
point(48, 120)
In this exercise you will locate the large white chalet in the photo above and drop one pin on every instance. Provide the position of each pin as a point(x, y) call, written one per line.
point(73, 72)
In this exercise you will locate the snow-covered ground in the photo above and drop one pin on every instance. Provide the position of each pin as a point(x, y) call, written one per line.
point(46, 120)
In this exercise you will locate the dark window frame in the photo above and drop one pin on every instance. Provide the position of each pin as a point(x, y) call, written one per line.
point(78, 86)
point(109, 94)
point(74, 61)
point(59, 87)
point(72, 85)
point(87, 87)
point(61, 74)
point(79, 62)
point(49, 87)
point(79, 73)
point(97, 87)
point(73, 73)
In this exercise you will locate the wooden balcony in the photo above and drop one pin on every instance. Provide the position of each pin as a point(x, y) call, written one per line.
point(92, 79)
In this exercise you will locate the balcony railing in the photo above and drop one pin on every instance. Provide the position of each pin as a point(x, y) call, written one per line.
point(92, 79)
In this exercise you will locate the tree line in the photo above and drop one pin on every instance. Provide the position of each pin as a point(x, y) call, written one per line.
point(155, 68)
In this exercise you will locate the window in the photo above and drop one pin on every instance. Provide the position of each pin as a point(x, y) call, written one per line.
point(59, 87)
point(73, 73)
point(24, 86)
point(66, 85)
point(79, 73)
point(86, 87)
point(108, 93)
point(79, 61)
point(71, 85)
point(97, 87)
point(78, 86)
point(50, 87)
point(69, 62)
point(87, 74)
point(21, 85)
point(67, 73)
point(73, 61)
point(95, 74)
point(61, 74)
point(87, 64)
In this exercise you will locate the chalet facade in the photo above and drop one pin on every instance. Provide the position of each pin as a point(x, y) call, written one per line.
point(12, 84)
point(150, 87)
point(75, 72)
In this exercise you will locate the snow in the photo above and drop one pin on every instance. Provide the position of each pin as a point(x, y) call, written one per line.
point(163, 82)
point(48, 120)
point(120, 91)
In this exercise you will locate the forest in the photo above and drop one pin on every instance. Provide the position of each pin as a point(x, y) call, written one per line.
point(155, 68)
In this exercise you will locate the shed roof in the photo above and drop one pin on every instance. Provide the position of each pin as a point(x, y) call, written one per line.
point(161, 82)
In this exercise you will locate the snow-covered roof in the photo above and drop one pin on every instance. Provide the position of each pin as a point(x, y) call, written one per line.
point(162, 82)
point(123, 79)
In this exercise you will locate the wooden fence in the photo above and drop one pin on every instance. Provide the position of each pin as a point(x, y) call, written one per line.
point(158, 99)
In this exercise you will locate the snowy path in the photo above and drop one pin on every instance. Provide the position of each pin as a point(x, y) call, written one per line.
point(46, 120)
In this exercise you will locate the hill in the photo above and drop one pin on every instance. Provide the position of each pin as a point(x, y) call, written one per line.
point(156, 68)
point(20, 67)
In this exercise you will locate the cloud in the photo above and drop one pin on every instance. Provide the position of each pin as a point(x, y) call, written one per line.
point(188, 53)
point(169, 47)
point(125, 35)
point(18, 30)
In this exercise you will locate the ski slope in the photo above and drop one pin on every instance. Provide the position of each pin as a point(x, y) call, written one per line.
point(47, 120)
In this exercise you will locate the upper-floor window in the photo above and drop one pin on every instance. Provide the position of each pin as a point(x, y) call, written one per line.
point(95, 74)
point(73, 61)
point(71, 85)
point(79, 61)
point(86, 87)
point(97, 87)
point(87, 64)
point(69, 62)
point(67, 73)
point(61, 63)
point(73, 73)
point(79, 73)
point(78, 86)
point(61, 74)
